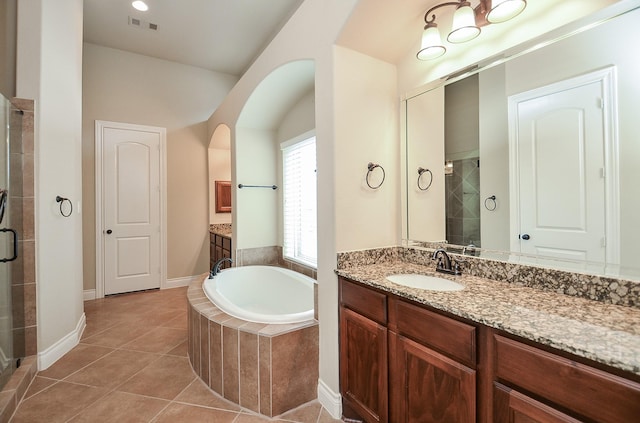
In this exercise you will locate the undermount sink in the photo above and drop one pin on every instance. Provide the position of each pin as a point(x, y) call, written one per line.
point(431, 283)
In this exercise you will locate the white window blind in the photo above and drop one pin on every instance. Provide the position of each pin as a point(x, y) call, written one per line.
point(300, 203)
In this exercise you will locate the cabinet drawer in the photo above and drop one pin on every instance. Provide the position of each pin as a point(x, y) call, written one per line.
point(218, 240)
point(446, 335)
point(363, 300)
point(226, 243)
point(583, 389)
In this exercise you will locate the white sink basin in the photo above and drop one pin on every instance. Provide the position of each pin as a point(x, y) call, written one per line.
point(431, 283)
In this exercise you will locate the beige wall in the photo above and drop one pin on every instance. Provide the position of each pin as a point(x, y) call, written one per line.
point(125, 87)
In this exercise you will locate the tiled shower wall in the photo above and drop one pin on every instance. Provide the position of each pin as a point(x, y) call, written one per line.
point(463, 202)
point(21, 201)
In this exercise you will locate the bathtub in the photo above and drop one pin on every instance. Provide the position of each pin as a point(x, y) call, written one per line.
point(262, 294)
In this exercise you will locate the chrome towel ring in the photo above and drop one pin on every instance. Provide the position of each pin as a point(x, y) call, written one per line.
point(490, 203)
point(370, 167)
point(420, 172)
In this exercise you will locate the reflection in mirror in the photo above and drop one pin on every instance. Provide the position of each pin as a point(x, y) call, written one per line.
point(553, 185)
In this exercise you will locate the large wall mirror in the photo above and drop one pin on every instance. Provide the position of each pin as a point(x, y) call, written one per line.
point(535, 158)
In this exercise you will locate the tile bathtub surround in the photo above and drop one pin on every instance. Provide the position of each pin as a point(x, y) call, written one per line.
point(605, 333)
point(132, 365)
point(597, 288)
point(269, 369)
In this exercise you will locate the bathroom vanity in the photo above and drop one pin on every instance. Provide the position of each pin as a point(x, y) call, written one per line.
point(219, 244)
point(492, 352)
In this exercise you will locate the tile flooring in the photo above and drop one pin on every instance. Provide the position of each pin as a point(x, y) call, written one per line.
point(131, 366)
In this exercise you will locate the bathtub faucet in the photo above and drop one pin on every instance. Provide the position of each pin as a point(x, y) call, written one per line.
point(216, 267)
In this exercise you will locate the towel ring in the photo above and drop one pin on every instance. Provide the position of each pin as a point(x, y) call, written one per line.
point(420, 172)
point(370, 168)
point(62, 200)
point(490, 203)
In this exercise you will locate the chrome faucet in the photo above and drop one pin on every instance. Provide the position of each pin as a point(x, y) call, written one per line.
point(444, 264)
point(216, 267)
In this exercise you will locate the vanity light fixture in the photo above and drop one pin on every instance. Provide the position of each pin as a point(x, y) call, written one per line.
point(467, 22)
point(140, 5)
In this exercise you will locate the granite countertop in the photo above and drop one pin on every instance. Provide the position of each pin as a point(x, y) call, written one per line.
point(223, 229)
point(608, 334)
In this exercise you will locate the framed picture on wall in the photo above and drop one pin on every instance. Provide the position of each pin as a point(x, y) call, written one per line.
point(223, 196)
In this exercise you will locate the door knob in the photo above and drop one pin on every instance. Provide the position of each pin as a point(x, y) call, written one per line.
point(109, 231)
point(526, 237)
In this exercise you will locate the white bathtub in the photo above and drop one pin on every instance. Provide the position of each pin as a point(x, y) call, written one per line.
point(262, 294)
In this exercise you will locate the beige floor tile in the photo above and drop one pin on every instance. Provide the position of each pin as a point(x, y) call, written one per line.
point(113, 369)
point(199, 394)
point(184, 413)
point(307, 413)
point(159, 340)
point(181, 350)
point(325, 417)
point(117, 335)
point(164, 378)
point(253, 418)
point(80, 356)
point(121, 408)
point(38, 384)
point(178, 322)
point(58, 403)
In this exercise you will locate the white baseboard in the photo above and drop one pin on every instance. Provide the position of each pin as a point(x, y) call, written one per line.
point(180, 282)
point(89, 294)
point(52, 354)
point(331, 401)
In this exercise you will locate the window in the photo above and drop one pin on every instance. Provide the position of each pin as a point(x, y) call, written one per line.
point(300, 203)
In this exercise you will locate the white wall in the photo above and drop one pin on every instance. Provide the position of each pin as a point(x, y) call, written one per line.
point(49, 70)
point(366, 112)
point(126, 87)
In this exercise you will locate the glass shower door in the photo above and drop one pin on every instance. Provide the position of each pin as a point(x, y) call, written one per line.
point(8, 244)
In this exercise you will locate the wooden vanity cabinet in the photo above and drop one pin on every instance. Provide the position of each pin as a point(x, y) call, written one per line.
point(220, 247)
point(432, 371)
point(534, 385)
point(363, 353)
point(405, 363)
point(402, 363)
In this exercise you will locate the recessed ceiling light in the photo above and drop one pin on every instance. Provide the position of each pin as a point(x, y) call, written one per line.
point(140, 5)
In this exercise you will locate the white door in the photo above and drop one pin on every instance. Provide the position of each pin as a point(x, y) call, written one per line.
point(131, 207)
point(560, 144)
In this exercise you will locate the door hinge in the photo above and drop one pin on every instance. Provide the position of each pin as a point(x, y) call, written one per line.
point(603, 242)
point(599, 103)
point(603, 173)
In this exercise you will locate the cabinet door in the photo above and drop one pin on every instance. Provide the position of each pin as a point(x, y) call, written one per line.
point(363, 365)
point(428, 387)
point(514, 407)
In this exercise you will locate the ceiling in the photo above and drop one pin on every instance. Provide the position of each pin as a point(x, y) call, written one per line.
point(219, 35)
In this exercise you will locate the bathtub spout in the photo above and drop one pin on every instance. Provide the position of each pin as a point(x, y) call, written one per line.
point(216, 267)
